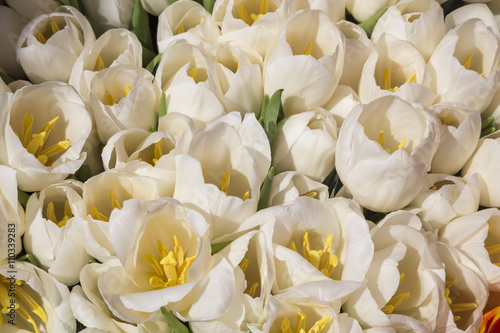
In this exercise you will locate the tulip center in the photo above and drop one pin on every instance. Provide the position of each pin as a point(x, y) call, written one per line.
point(157, 154)
point(386, 80)
point(171, 268)
point(99, 64)
point(250, 291)
point(97, 215)
point(111, 100)
point(51, 215)
point(224, 184)
point(492, 246)
point(48, 32)
point(181, 29)
point(300, 324)
point(467, 62)
point(412, 17)
point(381, 141)
point(14, 295)
point(396, 300)
point(324, 260)
point(456, 307)
point(35, 144)
point(250, 19)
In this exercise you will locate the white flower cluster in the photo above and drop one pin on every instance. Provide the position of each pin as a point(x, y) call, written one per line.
point(276, 168)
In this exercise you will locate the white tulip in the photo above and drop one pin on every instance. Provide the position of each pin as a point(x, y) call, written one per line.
point(335, 9)
point(288, 186)
point(33, 8)
point(292, 145)
point(396, 67)
point(484, 162)
point(189, 78)
point(97, 205)
point(479, 11)
point(305, 59)
point(445, 198)
point(12, 222)
point(123, 97)
point(50, 44)
point(493, 109)
point(45, 129)
point(419, 22)
point(165, 253)
point(362, 10)
point(11, 25)
point(460, 131)
point(462, 70)
point(37, 301)
point(186, 20)
point(384, 150)
point(53, 235)
point(155, 7)
point(107, 14)
point(343, 101)
point(114, 47)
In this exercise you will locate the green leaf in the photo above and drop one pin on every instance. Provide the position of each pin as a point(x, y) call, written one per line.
point(488, 126)
point(219, 246)
point(265, 103)
point(209, 5)
point(23, 197)
point(83, 173)
point(7, 79)
point(140, 27)
point(369, 24)
point(29, 257)
point(176, 326)
point(265, 190)
point(270, 117)
point(163, 106)
point(152, 64)
point(147, 56)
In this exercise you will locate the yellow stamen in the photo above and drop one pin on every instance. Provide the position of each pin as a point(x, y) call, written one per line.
point(293, 247)
point(224, 183)
point(42, 159)
point(412, 78)
point(97, 215)
point(402, 144)
point(110, 99)
point(490, 226)
point(158, 152)
point(467, 61)
point(380, 139)
point(54, 27)
point(245, 196)
point(401, 277)
point(127, 90)
point(386, 79)
point(57, 148)
point(456, 318)
point(300, 324)
point(311, 194)
point(180, 28)
point(243, 14)
point(394, 302)
point(31, 303)
point(51, 215)
point(308, 49)
point(99, 64)
point(179, 252)
point(114, 200)
point(285, 326)
point(244, 264)
point(493, 249)
point(461, 307)
point(35, 143)
point(319, 325)
point(40, 37)
point(306, 246)
point(67, 210)
point(27, 125)
point(169, 264)
point(264, 7)
point(251, 291)
point(193, 73)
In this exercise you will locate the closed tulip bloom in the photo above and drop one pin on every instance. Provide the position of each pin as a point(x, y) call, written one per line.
point(30, 9)
point(11, 25)
point(107, 14)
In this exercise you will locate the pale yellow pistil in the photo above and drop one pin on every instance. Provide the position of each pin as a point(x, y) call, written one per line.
point(171, 268)
point(264, 8)
point(224, 185)
point(97, 215)
point(324, 260)
point(51, 215)
point(456, 307)
point(396, 300)
point(386, 80)
point(110, 99)
point(381, 141)
point(24, 304)
point(35, 144)
point(308, 49)
point(250, 291)
point(300, 324)
point(53, 29)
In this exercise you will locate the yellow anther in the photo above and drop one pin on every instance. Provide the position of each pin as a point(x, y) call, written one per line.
point(110, 99)
point(51, 215)
point(244, 15)
point(179, 252)
point(32, 304)
point(456, 318)
point(57, 148)
point(319, 325)
point(67, 209)
point(158, 152)
point(193, 73)
point(246, 195)
point(490, 226)
point(97, 215)
point(402, 144)
point(114, 200)
point(413, 17)
point(412, 78)
point(224, 183)
point(394, 302)
point(293, 247)
point(35, 143)
point(127, 90)
point(300, 324)
point(264, 7)
point(27, 125)
point(156, 282)
point(99, 64)
point(202, 20)
point(446, 121)
point(380, 139)
point(180, 28)
point(285, 326)
point(493, 249)
point(386, 79)
point(311, 194)
point(306, 246)
point(467, 61)
point(53, 26)
point(461, 307)
point(401, 277)
point(150, 259)
point(42, 159)
point(255, 17)
point(483, 75)
point(244, 264)
point(251, 291)
point(308, 49)
point(40, 37)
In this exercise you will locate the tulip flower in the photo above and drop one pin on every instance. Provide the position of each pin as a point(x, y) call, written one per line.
point(288, 186)
point(384, 150)
point(11, 25)
point(33, 8)
point(57, 39)
point(154, 7)
point(108, 15)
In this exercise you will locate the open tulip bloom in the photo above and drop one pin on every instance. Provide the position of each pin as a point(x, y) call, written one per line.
point(262, 166)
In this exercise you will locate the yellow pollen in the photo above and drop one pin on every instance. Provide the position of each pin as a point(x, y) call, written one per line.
point(251, 291)
point(293, 247)
point(224, 183)
point(172, 267)
point(99, 64)
point(127, 90)
point(244, 264)
point(246, 195)
point(54, 27)
point(180, 28)
point(412, 78)
point(456, 318)
point(244, 15)
point(308, 49)
point(394, 302)
point(324, 260)
point(40, 37)
point(300, 325)
point(110, 99)
point(193, 74)
point(158, 152)
point(114, 201)
point(380, 139)
point(461, 307)
point(456, 307)
point(36, 144)
point(493, 249)
point(311, 194)
point(386, 80)
point(402, 144)
point(52, 216)
point(413, 17)
point(467, 61)
point(97, 215)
